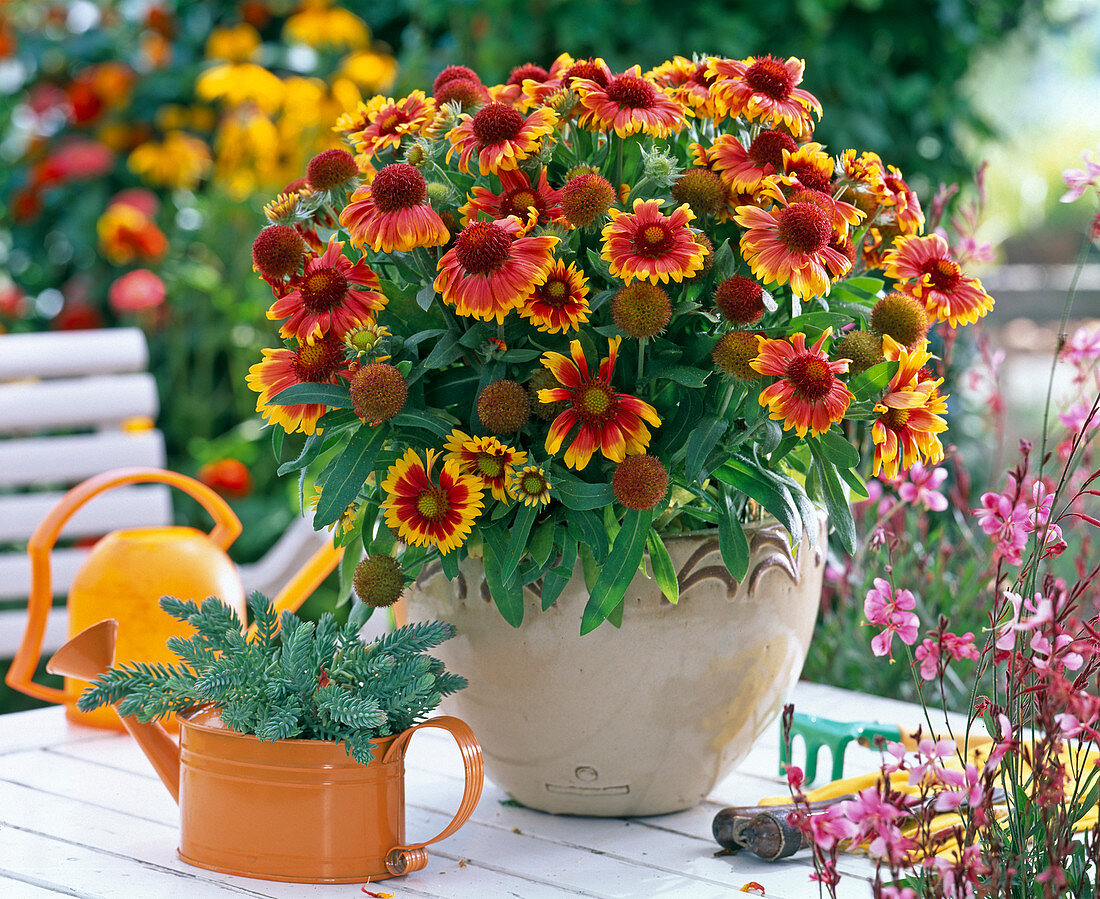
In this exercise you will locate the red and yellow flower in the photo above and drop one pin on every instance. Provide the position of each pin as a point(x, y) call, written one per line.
point(392, 214)
point(331, 296)
point(127, 234)
point(609, 422)
point(875, 186)
point(629, 104)
point(531, 486)
point(936, 280)
point(791, 244)
point(648, 245)
point(518, 196)
point(765, 89)
point(910, 414)
point(320, 362)
point(382, 122)
point(745, 168)
point(501, 136)
point(690, 84)
point(492, 269)
point(425, 512)
point(560, 303)
point(808, 395)
point(487, 459)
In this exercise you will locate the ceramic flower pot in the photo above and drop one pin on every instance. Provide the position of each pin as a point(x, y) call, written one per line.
point(640, 720)
point(303, 810)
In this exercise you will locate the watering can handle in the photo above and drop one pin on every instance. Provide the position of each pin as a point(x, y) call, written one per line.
point(226, 529)
point(403, 859)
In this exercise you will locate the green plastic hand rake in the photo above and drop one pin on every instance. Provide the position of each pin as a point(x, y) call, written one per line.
point(818, 732)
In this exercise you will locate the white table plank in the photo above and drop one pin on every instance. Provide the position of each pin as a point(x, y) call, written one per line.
point(84, 814)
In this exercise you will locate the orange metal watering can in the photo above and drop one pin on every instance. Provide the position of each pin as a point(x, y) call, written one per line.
point(291, 810)
point(128, 571)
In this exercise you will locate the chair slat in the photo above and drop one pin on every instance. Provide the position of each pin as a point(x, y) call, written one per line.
point(146, 505)
point(67, 460)
point(14, 622)
point(15, 576)
point(30, 406)
point(67, 354)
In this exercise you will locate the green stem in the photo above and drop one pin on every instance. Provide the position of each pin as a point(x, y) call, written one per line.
point(620, 143)
point(726, 397)
point(641, 357)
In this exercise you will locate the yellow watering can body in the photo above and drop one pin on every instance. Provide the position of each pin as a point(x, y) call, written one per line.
point(125, 575)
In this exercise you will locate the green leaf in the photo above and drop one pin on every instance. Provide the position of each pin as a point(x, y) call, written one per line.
point(425, 296)
point(517, 356)
point(573, 493)
point(700, 443)
point(438, 423)
point(600, 265)
point(618, 569)
point(336, 395)
point(443, 353)
point(681, 374)
point(278, 435)
point(311, 449)
point(664, 572)
point(775, 498)
point(836, 448)
point(732, 542)
point(517, 539)
point(347, 475)
point(671, 441)
point(507, 594)
point(855, 482)
point(589, 530)
point(449, 563)
point(351, 557)
point(836, 502)
point(787, 444)
point(873, 381)
point(542, 542)
point(554, 581)
point(817, 321)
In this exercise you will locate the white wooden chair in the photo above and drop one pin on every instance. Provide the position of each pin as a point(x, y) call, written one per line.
point(74, 404)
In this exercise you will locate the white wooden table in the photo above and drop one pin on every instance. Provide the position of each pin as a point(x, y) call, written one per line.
point(83, 814)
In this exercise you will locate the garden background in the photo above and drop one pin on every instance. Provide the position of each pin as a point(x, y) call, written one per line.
point(140, 141)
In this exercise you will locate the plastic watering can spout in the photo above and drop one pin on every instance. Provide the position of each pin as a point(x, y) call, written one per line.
point(88, 655)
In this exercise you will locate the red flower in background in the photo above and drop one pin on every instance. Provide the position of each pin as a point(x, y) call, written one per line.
point(136, 291)
point(229, 477)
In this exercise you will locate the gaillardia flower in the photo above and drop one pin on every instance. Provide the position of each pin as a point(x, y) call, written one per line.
point(560, 303)
point(765, 89)
point(392, 214)
point(628, 104)
point(485, 458)
point(791, 244)
point(688, 82)
point(331, 295)
point(382, 122)
point(320, 362)
point(648, 245)
point(518, 196)
point(530, 486)
point(609, 422)
point(808, 395)
point(491, 269)
point(910, 414)
point(744, 168)
point(424, 512)
point(502, 136)
point(948, 295)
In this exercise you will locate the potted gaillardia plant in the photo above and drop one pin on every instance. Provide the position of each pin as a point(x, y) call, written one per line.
point(290, 764)
point(593, 346)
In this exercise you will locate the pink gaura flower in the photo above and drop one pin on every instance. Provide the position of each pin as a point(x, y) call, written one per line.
point(874, 816)
point(1083, 348)
point(892, 892)
point(948, 645)
point(1006, 522)
point(829, 826)
point(1080, 180)
point(892, 611)
point(967, 787)
point(922, 487)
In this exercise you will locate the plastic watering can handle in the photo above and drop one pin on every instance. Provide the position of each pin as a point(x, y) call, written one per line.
point(403, 859)
point(227, 527)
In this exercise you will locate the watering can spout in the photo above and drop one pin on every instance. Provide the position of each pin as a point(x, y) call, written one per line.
point(91, 653)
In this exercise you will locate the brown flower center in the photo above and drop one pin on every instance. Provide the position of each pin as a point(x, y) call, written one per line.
point(531, 71)
point(943, 273)
point(701, 76)
point(593, 401)
point(652, 240)
point(432, 504)
point(496, 123)
point(895, 419)
point(323, 289)
point(483, 247)
point(533, 483)
point(768, 146)
point(811, 376)
point(317, 362)
point(389, 124)
point(586, 69)
point(520, 201)
point(631, 92)
point(769, 76)
point(811, 178)
point(399, 186)
point(555, 292)
point(804, 228)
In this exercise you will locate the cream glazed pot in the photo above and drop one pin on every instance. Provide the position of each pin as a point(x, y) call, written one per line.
point(640, 720)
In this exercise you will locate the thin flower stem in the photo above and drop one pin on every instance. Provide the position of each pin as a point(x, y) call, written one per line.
point(620, 144)
point(641, 358)
point(726, 397)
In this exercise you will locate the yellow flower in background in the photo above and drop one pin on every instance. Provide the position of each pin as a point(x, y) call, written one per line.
point(237, 43)
point(128, 235)
point(239, 83)
point(246, 153)
point(372, 72)
point(180, 160)
point(319, 25)
point(173, 117)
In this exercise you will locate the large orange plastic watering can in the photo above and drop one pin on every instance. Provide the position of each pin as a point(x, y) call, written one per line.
point(128, 571)
point(291, 810)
